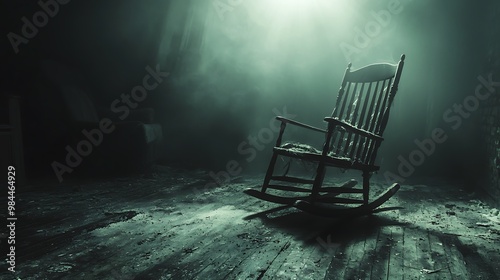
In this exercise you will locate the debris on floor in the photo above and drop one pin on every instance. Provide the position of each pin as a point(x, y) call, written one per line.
point(429, 271)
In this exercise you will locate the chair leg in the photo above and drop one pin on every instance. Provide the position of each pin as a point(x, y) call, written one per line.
point(318, 181)
point(269, 173)
point(366, 186)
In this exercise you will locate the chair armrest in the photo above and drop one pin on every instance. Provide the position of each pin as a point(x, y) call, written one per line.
point(354, 129)
point(285, 120)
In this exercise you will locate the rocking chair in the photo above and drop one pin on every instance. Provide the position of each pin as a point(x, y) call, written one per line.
point(352, 138)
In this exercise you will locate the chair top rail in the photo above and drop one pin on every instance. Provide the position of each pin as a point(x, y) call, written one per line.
point(372, 73)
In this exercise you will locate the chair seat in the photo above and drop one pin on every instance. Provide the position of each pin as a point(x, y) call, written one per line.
point(307, 152)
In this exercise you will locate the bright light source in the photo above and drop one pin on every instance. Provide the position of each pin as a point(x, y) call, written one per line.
point(285, 10)
point(271, 37)
point(290, 6)
point(301, 12)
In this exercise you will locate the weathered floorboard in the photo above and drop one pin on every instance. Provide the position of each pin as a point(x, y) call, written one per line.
point(169, 225)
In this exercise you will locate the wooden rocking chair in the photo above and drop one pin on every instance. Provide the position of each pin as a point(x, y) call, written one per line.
point(352, 138)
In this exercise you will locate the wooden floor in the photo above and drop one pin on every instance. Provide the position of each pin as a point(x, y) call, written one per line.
point(167, 225)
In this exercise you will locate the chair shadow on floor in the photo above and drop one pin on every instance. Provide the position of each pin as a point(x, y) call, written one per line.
point(308, 228)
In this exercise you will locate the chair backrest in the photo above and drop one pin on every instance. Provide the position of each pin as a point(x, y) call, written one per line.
point(364, 101)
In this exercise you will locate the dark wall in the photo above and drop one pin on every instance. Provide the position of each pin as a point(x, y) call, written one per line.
point(108, 43)
point(446, 48)
point(490, 108)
